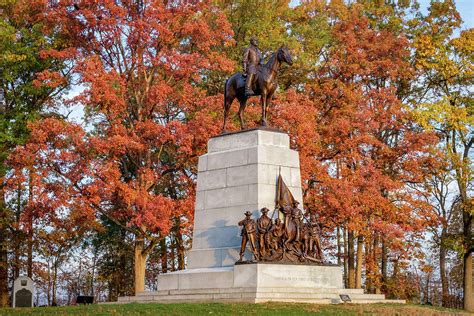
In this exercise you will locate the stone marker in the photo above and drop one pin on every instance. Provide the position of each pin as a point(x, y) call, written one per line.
point(23, 292)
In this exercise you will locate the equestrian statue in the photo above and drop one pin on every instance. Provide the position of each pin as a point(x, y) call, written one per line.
point(257, 79)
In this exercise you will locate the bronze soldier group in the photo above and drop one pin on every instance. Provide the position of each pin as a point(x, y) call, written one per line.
point(290, 240)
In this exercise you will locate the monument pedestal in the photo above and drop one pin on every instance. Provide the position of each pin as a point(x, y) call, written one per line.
point(257, 283)
point(239, 173)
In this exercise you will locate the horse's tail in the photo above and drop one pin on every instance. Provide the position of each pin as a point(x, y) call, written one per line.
point(226, 106)
point(225, 93)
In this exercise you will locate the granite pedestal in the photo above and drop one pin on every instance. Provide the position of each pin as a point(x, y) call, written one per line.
point(239, 173)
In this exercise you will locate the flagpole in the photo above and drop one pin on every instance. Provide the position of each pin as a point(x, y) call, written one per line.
point(277, 193)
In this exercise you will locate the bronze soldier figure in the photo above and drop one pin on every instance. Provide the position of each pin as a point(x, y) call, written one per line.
point(297, 215)
point(315, 241)
point(277, 232)
point(249, 230)
point(264, 224)
point(252, 59)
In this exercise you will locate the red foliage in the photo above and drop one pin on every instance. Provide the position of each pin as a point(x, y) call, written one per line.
point(140, 64)
point(359, 146)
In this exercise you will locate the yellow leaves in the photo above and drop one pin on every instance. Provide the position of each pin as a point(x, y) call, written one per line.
point(465, 42)
point(450, 59)
point(425, 48)
point(446, 112)
point(469, 206)
point(9, 57)
point(463, 46)
point(435, 55)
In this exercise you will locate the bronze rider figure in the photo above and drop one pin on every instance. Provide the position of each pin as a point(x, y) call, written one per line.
point(252, 59)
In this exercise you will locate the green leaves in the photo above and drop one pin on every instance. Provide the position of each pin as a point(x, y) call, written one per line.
point(23, 38)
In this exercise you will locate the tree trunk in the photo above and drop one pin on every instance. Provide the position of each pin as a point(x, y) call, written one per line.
point(442, 269)
point(346, 255)
point(339, 245)
point(384, 264)
point(29, 267)
point(55, 282)
point(29, 264)
point(140, 265)
point(462, 179)
point(468, 292)
point(350, 260)
point(376, 266)
point(180, 246)
point(16, 255)
point(3, 250)
point(94, 264)
point(427, 290)
point(368, 257)
point(358, 275)
point(49, 284)
point(16, 237)
point(467, 221)
point(164, 255)
point(172, 256)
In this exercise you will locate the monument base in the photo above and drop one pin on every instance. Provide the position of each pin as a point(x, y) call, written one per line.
point(256, 283)
point(239, 173)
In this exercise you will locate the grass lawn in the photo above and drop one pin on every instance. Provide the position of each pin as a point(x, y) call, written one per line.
point(235, 309)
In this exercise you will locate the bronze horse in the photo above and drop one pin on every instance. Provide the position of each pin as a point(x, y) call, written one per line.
point(264, 85)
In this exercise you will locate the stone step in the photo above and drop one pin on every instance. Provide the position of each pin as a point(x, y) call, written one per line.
point(315, 296)
point(385, 301)
point(367, 296)
point(253, 290)
point(246, 297)
point(270, 296)
point(311, 296)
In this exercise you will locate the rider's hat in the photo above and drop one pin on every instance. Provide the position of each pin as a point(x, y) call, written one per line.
point(248, 213)
point(264, 210)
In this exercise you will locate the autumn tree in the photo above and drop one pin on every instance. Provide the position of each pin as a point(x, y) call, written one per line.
point(140, 63)
point(114, 248)
point(360, 147)
point(445, 65)
point(369, 89)
point(23, 39)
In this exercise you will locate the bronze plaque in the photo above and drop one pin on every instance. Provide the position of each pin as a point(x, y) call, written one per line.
point(23, 298)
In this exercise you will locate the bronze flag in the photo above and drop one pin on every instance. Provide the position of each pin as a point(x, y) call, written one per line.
point(284, 198)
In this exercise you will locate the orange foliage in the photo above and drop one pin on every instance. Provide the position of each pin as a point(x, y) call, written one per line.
point(140, 63)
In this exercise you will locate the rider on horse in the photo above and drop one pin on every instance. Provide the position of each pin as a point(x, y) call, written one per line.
point(252, 59)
